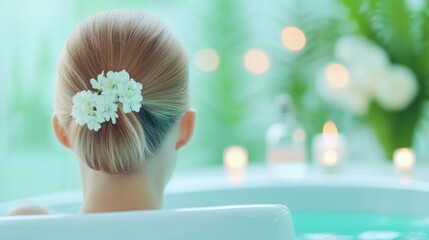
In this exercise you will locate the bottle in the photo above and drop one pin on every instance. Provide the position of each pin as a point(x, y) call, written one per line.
point(285, 139)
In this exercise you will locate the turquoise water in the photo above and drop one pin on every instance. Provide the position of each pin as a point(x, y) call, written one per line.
point(328, 225)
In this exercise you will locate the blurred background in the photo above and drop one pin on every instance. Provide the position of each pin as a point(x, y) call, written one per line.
point(361, 64)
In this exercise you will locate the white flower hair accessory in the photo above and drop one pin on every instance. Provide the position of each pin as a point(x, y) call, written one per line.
point(112, 90)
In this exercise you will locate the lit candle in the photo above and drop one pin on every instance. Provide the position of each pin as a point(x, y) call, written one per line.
point(404, 160)
point(329, 148)
point(235, 160)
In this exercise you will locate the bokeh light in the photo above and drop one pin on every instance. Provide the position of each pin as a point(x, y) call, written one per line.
point(299, 135)
point(330, 158)
point(330, 128)
point(257, 61)
point(404, 159)
point(207, 59)
point(235, 157)
point(293, 38)
point(337, 76)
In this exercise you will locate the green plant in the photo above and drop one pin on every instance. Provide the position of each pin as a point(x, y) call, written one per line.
point(403, 32)
point(226, 98)
point(295, 73)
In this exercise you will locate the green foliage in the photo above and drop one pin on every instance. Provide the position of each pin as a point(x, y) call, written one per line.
point(403, 33)
point(223, 98)
point(233, 105)
point(395, 129)
point(295, 73)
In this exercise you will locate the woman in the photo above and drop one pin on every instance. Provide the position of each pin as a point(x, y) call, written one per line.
point(122, 105)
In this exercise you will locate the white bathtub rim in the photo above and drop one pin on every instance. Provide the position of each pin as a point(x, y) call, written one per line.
point(216, 184)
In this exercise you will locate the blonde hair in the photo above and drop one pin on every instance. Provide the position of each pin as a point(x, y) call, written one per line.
point(144, 46)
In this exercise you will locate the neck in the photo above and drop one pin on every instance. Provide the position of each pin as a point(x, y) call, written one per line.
point(107, 193)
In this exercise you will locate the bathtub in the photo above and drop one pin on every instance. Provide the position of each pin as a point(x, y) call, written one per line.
point(323, 206)
point(227, 223)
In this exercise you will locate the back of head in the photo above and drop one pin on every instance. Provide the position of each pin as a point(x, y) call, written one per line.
point(143, 46)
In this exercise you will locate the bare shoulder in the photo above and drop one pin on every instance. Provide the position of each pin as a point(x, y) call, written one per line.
point(28, 209)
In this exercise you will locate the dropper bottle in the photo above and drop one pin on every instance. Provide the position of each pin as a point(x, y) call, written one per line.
point(285, 139)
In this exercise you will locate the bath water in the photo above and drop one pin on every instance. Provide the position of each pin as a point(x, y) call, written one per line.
point(362, 226)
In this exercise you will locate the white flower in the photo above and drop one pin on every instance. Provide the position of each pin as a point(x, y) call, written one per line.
point(83, 106)
point(352, 94)
point(131, 102)
point(95, 108)
point(93, 123)
point(97, 84)
point(397, 89)
point(366, 63)
point(130, 96)
point(365, 77)
point(109, 108)
point(106, 85)
point(357, 102)
point(356, 50)
point(371, 77)
point(86, 109)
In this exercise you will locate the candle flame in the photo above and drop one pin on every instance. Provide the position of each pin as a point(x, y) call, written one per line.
point(330, 128)
point(404, 159)
point(235, 158)
point(330, 158)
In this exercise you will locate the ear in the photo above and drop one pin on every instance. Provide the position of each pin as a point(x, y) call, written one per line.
point(186, 128)
point(60, 132)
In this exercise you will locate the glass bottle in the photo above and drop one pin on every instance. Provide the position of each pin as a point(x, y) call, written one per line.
point(285, 139)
